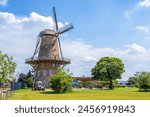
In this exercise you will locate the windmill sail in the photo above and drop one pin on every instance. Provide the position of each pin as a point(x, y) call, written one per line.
point(55, 19)
point(65, 28)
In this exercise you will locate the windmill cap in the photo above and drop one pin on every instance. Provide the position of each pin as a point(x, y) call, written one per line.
point(47, 32)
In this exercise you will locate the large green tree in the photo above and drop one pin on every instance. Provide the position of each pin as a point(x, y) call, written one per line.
point(108, 69)
point(7, 68)
point(61, 81)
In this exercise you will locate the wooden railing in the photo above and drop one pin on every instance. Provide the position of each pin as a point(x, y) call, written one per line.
point(45, 58)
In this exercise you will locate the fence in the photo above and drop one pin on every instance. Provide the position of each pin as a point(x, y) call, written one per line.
point(5, 94)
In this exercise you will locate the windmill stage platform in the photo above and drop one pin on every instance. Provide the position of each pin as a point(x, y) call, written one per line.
point(50, 61)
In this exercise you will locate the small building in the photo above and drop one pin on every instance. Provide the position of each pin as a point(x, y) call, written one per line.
point(83, 79)
point(122, 83)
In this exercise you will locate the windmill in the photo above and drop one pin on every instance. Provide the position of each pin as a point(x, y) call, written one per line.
point(48, 55)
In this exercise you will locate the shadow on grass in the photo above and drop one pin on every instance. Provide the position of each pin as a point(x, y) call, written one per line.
point(107, 89)
point(48, 92)
point(74, 91)
point(142, 91)
point(78, 91)
point(51, 92)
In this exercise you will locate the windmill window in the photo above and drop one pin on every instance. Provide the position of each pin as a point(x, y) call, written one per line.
point(54, 50)
point(53, 65)
point(38, 73)
point(44, 82)
point(47, 72)
point(44, 72)
point(50, 72)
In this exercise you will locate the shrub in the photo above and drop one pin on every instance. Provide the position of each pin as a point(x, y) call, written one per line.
point(140, 80)
point(61, 81)
point(144, 81)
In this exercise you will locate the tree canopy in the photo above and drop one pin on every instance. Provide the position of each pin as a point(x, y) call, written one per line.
point(140, 80)
point(7, 68)
point(108, 69)
point(144, 81)
point(133, 81)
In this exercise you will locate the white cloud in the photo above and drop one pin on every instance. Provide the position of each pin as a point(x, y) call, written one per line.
point(3, 2)
point(33, 20)
point(84, 56)
point(18, 35)
point(36, 17)
point(89, 59)
point(144, 3)
point(135, 48)
point(18, 38)
point(142, 28)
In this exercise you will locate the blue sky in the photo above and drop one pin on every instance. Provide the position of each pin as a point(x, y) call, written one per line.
point(119, 28)
point(95, 19)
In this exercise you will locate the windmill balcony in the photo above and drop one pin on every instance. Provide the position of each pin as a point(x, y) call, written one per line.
point(30, 60)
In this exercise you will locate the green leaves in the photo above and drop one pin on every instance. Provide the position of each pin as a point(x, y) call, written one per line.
point(140, 80)
point(7, 67)
point(144, 81)
point(108, 69)
point(61, 81)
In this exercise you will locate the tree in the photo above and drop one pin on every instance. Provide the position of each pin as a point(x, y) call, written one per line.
point(29, 79)
point(133, 81)
point(108, 69)
point(25, 80)
point(61, 81)
point(144, 81)
point(7, 68)
point(140, 80)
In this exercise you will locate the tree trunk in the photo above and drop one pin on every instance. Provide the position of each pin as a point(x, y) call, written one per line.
point(110, 80)
point(111, 83)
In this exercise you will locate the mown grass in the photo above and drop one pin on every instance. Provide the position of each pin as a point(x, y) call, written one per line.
point(83, 94)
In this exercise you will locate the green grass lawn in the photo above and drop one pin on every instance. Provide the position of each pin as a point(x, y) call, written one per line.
point(83, 94)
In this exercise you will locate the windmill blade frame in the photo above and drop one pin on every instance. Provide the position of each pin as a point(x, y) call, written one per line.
point(37, 46)
point(65, 28)
point(54, 17)
point(60, 49)
point(61, 30)
point(56, 28)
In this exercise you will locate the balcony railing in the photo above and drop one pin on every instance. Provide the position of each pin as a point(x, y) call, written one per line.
point(45, 58)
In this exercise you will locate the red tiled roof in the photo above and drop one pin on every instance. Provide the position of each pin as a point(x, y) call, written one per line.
point(83, 78)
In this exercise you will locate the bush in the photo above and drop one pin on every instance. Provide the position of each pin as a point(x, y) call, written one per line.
point(140, 80)
point(61, 81)
point(144, 81)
